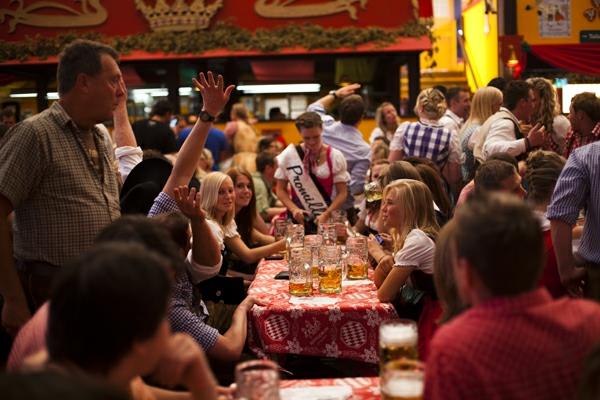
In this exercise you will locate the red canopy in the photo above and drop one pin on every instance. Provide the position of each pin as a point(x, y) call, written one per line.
point(582, 58)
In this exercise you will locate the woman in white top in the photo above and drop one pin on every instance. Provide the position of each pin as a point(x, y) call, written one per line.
point(218, 201)
point(407, 213)
point(387, 122)
point(547, 112)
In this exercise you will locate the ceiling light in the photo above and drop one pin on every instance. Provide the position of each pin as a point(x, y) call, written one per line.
point(282, 88)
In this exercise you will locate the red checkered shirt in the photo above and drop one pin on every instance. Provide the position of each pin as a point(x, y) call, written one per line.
point(574, 140)
point(523, 347)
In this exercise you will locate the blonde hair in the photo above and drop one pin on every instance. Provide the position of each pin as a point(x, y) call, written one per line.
point(245, 160)
point(548, 106)
point(239, 111)
point(380, 120)
point(416, 202)
point(484, 105)
point(209, 193)
point(431, 104)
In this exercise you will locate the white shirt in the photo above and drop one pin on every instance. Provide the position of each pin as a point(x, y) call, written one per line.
point(451, 121)
point(501, 138)
point(200, 272)
point(418, 252)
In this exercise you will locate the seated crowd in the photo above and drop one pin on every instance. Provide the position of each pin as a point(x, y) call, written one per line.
point(125, 257)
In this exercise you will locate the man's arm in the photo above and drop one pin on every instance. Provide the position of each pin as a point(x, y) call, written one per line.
point(571, 191)
point(15, 311)
point(501, 139)
point(358, 176)
point(327, 101)
point(127, 151)
point(570, 275)
point(214, 98)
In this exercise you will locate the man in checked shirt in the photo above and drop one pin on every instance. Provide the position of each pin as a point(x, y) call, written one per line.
point(57, 173)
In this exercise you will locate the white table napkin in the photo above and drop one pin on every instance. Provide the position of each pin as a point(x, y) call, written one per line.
point(313, 300)
point(316, 393)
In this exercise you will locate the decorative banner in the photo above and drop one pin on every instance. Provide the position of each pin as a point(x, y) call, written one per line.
point(92, 13)
point(554, 18)
point(22, 18)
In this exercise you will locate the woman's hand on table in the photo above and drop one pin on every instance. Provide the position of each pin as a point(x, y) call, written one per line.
point(250, 301)
point(386, 263)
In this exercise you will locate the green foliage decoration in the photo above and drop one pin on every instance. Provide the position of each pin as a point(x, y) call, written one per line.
point(223, 35)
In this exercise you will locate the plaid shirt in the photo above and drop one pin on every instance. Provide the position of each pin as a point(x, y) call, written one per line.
point(61, 199)
point(522, 347)
point(427, 140)
point(575, 140)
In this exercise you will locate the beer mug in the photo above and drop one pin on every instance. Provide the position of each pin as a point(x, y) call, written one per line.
point(357, 260)
point(397, 339)
point(313, 242)
point(373, 191)
point(300, 271)
point(330, 269)
point(401, 381)
point(257, 380)
point(329, 234)
point(280, 232)
point(338, 217)
point(294, 237)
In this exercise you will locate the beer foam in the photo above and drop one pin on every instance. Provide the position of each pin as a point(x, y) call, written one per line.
point(401, 388)
point(397, 335)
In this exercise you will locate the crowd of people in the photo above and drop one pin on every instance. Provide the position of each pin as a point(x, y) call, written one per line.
point(126, 255)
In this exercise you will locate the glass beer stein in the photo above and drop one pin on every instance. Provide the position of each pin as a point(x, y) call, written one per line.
point(330, 269)
point(401, 381)
point(357, 260)
point(397, 340)
point(300, 271)
point(313, 242)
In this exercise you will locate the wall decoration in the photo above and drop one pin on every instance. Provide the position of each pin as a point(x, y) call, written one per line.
point(286, 8)
point(92, 13)
point(554, 18)
point(180, 16)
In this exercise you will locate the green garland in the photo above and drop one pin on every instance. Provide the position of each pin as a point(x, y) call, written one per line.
point(222, 36)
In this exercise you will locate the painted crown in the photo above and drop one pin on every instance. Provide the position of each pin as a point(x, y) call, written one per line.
point(180, 16)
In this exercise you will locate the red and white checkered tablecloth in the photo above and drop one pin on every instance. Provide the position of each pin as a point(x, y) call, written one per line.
point(362, 388)
point(347, 329)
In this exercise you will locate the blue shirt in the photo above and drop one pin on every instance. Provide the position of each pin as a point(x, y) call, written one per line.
point(350, 142)
point(216, 142)
point(579, 186)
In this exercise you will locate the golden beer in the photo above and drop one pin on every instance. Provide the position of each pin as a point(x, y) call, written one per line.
point(397, 340)
point(300, 288)
point(330, 279)
point(399, 383)
point(315, 272)
point(357, 270)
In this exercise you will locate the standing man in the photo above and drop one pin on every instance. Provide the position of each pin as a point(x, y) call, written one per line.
point(155, 133)
point(459, 105)
point(8, 117)
point(344, 136)
point(501, 133)
point(584, 116)
point(578, 187)
point(57, 174)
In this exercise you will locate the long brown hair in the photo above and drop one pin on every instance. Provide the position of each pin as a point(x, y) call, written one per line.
point(244, 218)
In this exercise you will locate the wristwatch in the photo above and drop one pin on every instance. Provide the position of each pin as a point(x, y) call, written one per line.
point(205, 116)
point(332, 93)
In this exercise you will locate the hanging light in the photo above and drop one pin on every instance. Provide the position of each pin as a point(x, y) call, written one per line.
point(512, 61)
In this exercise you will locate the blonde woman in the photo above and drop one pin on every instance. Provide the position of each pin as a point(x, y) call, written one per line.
point(427, 138)
point(387, 122)
point(239, 131)
point(486, 102)
point(218, 201)
point(407, 213)
point(547, 112)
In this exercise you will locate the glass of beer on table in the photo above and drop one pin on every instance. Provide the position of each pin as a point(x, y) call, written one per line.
point(281, 231)
point(294, 237)
point(402, 380)
point(328, 232)
point(357, 259)
point(257, 380)
point(338, 217)
point(314, 242)
point(397, 340)
point(330, 269)
point(300, 271)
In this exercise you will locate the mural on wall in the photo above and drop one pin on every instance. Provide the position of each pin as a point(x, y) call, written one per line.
point(286, 8)
point(91, 13)
point(554, 18)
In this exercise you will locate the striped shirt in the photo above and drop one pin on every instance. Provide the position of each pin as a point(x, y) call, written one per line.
point(579, 186)
point(62, 183)
point(427, 139)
